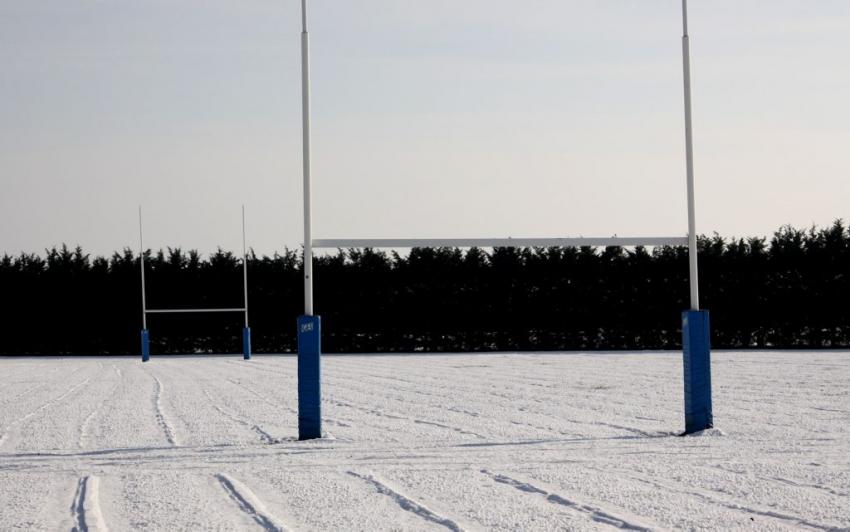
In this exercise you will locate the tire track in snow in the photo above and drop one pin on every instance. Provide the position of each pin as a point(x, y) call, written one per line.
point(814, 487)
point(448, 427)
point(265, 437)
point(329, 420)
point(507, 401)
point(475, 415)
point(255, 393)
point(262, 397)
point(354, 384)
point(81, 440)
point(438, 376)
point(161, 418)
point(715, 498)
point(4, 436)
point(277, 404)
point(406, 503)
point(84, 426)
point(593, 511)
point(85, 508)
point(286, 374)
point(249, 503)
point(347, 405)
point(382, 413)
point(33, 388)
point(817, 488)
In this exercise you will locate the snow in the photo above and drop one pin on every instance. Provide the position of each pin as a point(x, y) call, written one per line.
point(421, 442)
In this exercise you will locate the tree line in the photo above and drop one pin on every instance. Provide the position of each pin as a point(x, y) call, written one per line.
point(788, 291)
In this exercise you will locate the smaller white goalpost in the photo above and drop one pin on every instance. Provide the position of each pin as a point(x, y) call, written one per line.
point(145, 334)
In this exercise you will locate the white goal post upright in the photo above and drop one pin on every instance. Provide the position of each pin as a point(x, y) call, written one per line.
point(689, 162)
point(695, 324)
point(145, 337)
point(246, 330)
point(308, 326)
point(696, 330)
point(145, 334)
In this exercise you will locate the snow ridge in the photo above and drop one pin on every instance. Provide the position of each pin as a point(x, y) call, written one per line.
point(84, 429)
point(85, 509)
point(407, 503)
point(594, 512)
point(160, 413)
point(249, 503)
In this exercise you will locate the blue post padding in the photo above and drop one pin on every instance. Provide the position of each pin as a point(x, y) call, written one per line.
point(696, 350)
point(246, 343)
point(146, 346)
point(309, 377)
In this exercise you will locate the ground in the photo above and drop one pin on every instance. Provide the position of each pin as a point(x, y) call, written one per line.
point(416, 442)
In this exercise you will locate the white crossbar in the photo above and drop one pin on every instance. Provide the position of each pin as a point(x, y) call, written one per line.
point(500, 242)
point(192, 310)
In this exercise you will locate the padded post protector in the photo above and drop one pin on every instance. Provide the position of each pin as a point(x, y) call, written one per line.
point(146, 346)
point(309, 377)
point(246, 343)
point(696, 352)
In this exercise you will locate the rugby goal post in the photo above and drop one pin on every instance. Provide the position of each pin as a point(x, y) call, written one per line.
point(145, 333)
point(695, 322)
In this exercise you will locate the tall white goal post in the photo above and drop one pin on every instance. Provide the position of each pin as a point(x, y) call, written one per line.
point(145, 333)
point(695, 323)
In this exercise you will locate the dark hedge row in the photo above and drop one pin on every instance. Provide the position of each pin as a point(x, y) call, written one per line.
point(790, 291)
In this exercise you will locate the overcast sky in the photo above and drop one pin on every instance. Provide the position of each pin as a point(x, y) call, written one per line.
point(437, 118)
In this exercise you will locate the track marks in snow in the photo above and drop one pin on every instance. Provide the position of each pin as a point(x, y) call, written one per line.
point(280, 405)
point(447, 427)
point(84, 427)
point(715, 498)
point(32, 389)
point(815, 487)
point(5, 431)
point(594, 512)
point(511, 400)
point(265, 437)
point(384, 414)
point(262, 397)
point(249, 503)
point(372, 411)
point(406, 503)
point(85, 508)
point(344, 404)
point(161, 418)
point(78, 510)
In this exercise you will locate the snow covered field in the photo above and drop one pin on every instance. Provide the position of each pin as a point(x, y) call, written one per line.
point(502, 441)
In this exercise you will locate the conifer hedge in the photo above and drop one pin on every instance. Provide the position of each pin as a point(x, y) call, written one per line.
point(789, 291)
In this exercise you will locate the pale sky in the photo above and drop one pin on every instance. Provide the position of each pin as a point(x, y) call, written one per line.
point(437, 118)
